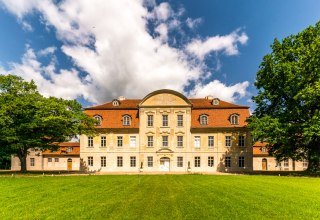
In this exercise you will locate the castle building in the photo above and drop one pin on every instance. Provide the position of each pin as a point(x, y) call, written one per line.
point(167, 132)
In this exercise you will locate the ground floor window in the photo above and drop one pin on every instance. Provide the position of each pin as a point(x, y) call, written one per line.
point(150, 161)
point(132, 161)
point(210, 162)
point(90, 161)
point(56, 159)
point(103, 161)
point(120, 161)
point(241, 161)
point(196, 161)
point(49, 160)
point(227, 162)
point(179, 161)
point(305, 163)
point(32, 163)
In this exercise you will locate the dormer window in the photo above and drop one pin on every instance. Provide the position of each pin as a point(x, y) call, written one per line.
point(215, 101)
point(234, 119)
point(126, 120)
point(203, 119)
point(98, 119)
point(115, 102)
point(69, 149)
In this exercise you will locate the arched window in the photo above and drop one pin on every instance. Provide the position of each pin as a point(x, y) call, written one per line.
point(203, 119)
point(234, 119)
point(98, 119)
point(126, 120)
point(115, 102)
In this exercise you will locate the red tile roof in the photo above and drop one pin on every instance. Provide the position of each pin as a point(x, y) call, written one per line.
point(62, 151)
point(257, 148)
point(124, 104)
point(207, 103)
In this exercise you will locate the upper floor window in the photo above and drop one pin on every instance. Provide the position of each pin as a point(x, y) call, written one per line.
point(203, 119)
point(165, 141)
point(180, 120)
point(197, 141)
point(98, 119)
point(165, 120)
point(241, 161)
point(132, 141)
point(179, 141)
point(119, 141)
point(150, 141)
point(150, 121)
point(103, 141)
point(241, 141)
point(210, 141)
point(228, 141)
point(234, 119)
point(126, 120)
point(115, 103)
point(90, 141)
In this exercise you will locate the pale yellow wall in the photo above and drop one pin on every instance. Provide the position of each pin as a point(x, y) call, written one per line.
point(273, 166)
point(164, 99)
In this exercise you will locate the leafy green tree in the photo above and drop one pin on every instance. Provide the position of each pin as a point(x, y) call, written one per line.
point(288, 100)
point(30, 120)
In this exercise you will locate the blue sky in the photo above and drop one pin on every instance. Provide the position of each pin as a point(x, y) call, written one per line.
point(95, 51)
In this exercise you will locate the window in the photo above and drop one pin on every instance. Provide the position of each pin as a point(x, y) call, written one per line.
point(119, 161)
point(132, 141)
point(234, 119)
point(165, 141)
point(196, 161)
point(132, 161)
point(90, 161)
point(305, 163)
point(32, 163)
point(210, 141)
point(150, 161)
point(69, 149)
point(179, 161)
point(228, 141)
point(164, 120)
point(115, 103)
point(241, 161)
point(103, 161)
point(210, 162)
point(98, 119)
point(180, 120)
point(56, 160)
point(49, 160)
point(197, 141)
point(264, 149)
point(150, 141)
point(180, 141)
point(126, 120)
point(119, 141)
point(90, 141)
point(103, 141)
point(150, 121)
point(241, 141)
point(203, 119)
point(286, 162)
point(227, 162)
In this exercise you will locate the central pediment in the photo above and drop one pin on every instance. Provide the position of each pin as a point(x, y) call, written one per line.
point(165, 97)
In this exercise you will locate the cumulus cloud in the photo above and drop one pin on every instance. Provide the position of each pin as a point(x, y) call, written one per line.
point(193, 23)
point(118, 54)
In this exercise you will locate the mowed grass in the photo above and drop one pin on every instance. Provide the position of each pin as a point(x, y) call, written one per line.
point(160, 197)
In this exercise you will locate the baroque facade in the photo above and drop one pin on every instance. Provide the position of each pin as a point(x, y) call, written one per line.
point(167, 132)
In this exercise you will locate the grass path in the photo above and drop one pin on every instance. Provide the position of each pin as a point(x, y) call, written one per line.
point(159, 197)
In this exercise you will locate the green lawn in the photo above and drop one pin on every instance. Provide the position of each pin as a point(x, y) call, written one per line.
point(159, 197)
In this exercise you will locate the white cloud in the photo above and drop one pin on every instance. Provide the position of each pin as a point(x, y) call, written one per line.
point(221, 91)
point(193, 23)
point(227, 43)
point(118, 53)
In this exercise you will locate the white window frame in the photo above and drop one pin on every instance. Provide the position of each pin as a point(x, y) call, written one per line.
point(210, 161)
point(103, 141)
point(90, 141)
point(204, 119)
point(133, 141)
point(197, 141)
point(133, 161)
point(150, 161)
point(90, 161)
point(197, 161)
point(103, 160)
point(98, 119)
point(32, 162)
point(180, 141)
point(119, 141)
point(234, 119)
point(56, 160)
point(150, 120)
point(165, 120)
point(228, 141)
point(180, 120)
point(286, 162)
point(179, 161)
point(210, 141)
point(126, 120)
point(119, 161)
point(165, 141)
point(150, 141)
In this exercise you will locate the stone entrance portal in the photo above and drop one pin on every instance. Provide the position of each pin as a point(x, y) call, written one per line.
point(164, 164)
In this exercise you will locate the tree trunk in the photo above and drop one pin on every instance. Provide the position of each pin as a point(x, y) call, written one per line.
point(23, 161)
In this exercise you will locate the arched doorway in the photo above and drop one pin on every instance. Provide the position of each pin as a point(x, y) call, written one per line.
point(264, 164)
point(164, 164)
point(69, 164)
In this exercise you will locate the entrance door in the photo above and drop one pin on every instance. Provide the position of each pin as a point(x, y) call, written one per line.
point(264, 164)
point(164, 164)
point(69, 164)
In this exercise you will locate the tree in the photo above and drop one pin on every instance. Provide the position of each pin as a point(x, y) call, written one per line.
point(30, 120)
point(287, 113)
